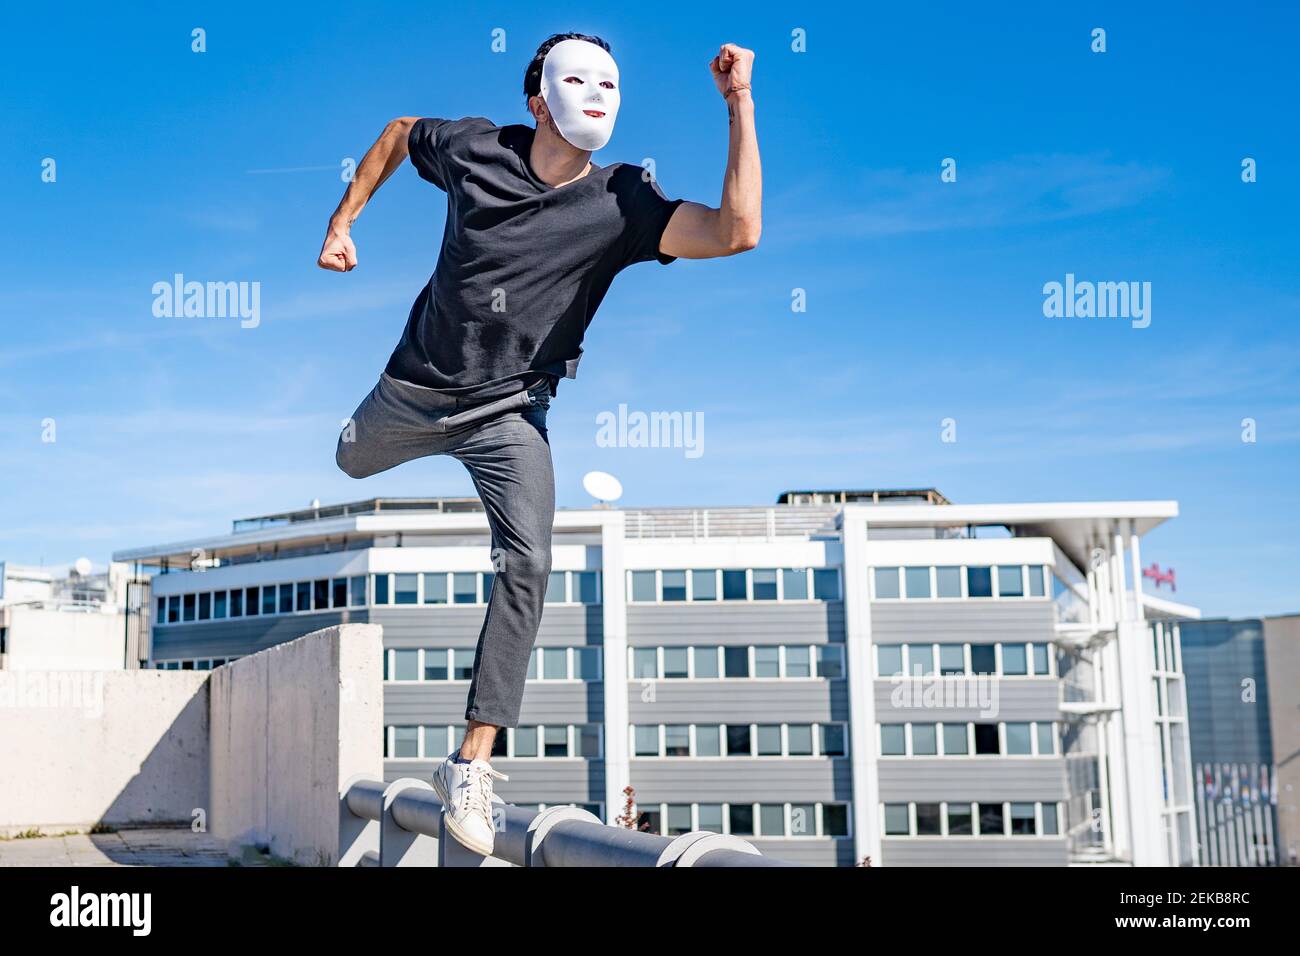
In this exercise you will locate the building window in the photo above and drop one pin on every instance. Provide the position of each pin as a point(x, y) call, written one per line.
point(435, 664)
point(955, 741)
point(952, 659)
point(1015, 660)
point(586, 587)
point(835, 819)
point(555, 741)
point(983, 659)
point(1019, 739)
point(947, 582)
point(1011, 581)
point(406, 664)
point(524, 740)
point(889, 660)
point(237, 603)
point(767, 662)
point(674, 585)
point(893, 740)
point(794, 584)
point(643, 586)
point(321, 595)
point(1036, 586)
point(734, 586)
point(886, 580)
point(464, 587)
point(979, 582)
point(1022, 819)
point(704, 587)
point(1041, 666)
point(677, 663)
point(588, 738)
point(406, 588)
point(920, 660)
point(303, 590)
point(645, 740)
point(556, 588)
point(917, 582)
point(960, 820)
point(929, 819)
point(677, 740)
point(1046, 739)
point(705, 660)
point(741, 819)
point(925, 742)
point(708, 741)
point(991, 820)
point(769, 740)
point(897, 820)
point(830, 661)
point(798, 662)
point(738, 741)
point(586, 663)
point(771, 819)
point(645, 663)
point(737, 661)
point(710, 817)
point(986, 740)
point(833, 740)
point(799, 740)
point(188, 608)
point(765, 584)
point(205, 607)
point(462, 663)
point(357, 591)
point(339, 592)
point(826, 584)
point(406, 742)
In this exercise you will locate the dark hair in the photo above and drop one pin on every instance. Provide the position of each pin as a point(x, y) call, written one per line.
point(533, 75)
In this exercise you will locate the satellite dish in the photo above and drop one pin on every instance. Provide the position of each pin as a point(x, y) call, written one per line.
point(83, 567)
point(602, 486)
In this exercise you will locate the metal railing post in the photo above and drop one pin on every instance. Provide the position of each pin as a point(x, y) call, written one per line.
point(451, 852)
point(398, 845)
point(358, 833)
point(542, 825)
point(689, 848)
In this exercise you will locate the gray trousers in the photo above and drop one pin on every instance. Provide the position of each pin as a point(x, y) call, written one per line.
point(503, 443)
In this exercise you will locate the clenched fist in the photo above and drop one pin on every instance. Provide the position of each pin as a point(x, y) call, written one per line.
point(731, 69)
point(338, 254)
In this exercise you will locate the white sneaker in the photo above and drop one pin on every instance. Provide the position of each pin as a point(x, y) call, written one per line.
point(465, 790)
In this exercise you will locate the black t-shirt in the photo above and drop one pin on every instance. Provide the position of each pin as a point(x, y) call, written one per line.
point(523, 265)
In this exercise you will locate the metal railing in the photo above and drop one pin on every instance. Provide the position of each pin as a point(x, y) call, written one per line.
point(755, 522)
point(401, 824)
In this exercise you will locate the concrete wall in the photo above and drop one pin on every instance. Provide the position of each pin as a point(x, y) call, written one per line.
point(118, 747)
point(289, 726)
point(49, 639)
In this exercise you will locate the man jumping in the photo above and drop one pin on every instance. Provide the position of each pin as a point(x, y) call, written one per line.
point(535, 234)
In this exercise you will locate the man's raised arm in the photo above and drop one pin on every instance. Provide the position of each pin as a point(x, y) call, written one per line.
point(699, 232)
point(338, 254)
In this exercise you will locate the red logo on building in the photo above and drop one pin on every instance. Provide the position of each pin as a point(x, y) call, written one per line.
point(1160, 577)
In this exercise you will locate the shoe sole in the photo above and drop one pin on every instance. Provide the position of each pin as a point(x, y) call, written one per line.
point(468, 842)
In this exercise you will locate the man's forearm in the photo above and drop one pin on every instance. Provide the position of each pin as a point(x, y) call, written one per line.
point(742, 187)
point(380, 162)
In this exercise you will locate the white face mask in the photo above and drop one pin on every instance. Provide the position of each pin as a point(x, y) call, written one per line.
point(579, 78)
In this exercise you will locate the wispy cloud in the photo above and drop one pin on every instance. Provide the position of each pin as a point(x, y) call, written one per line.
point(1019, 191)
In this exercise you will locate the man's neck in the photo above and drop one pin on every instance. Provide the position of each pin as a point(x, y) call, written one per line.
point(554, 161)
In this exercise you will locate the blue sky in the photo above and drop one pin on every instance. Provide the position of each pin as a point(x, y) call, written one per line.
point(924, 298)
